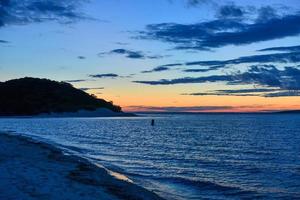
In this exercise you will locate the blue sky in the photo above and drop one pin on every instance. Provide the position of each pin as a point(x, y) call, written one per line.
point(141, 52)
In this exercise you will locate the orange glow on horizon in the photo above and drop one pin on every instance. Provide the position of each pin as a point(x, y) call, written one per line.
point(135, 102)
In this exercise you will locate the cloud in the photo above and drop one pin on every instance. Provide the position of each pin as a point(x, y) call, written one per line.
point(157, 69)
point(262, 92)
point(290, 93)
point(20, 12)
point(109, 75)
point(180, 109)
point(81, 57)
point(262, 75)
point(4, 41)
point(230, 11)
point(266, 13)
point(212, 65)
point(91, 88)
point(222, 32)
point(163, 67)
point(197, 2)
point(131, 54)
point(122, 43)
point(291, 57)
point(211, 68)
point(186, 80)
point(284, 49)
point(278, 83)
point(238, 92)
point(171, 65)
point(76, 80)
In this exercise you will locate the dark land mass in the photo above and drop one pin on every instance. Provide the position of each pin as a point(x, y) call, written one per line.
point(222, 113)
point(33, 96)
point(289, 112)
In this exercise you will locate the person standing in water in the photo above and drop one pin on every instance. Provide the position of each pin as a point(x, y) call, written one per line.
point(152, 122)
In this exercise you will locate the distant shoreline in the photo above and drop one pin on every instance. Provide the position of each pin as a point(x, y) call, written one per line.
point(225, 113)
point(101, 112)
point(36, 170)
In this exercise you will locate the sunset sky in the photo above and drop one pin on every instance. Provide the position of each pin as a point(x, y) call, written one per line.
point(160, 55)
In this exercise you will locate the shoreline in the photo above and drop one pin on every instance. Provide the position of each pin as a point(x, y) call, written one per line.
point(101, 112)
point(32, 169)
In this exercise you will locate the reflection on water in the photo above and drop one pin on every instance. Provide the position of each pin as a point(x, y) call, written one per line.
point(187, 156)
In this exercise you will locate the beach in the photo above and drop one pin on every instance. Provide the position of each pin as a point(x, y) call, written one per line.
point(31, 169)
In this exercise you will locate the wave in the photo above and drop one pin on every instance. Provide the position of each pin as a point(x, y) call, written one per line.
point(205, 186)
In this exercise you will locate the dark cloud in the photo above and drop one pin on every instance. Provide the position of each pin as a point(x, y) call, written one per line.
point(171, 65)
point(81, 57)
point(156, 57)
point(197, 2)
point(263, 92)
point(167, 67)
point(76, 81)
point(212, 68)
point(289, 93)
point(19, 12)
point(4, 41)
point(157, 69)
point(122, 43)
point(131, 54)
point(284, 49)
point(230, 11)
point(239, 92)
point(109, 75)
point(262, 75)
point(266, 13)
point(292, 57)
point(223, 32)
point(91, 88)
point(180, 109)
point(185, 80)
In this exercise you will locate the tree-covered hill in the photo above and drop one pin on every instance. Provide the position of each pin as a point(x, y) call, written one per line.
point(32, 96)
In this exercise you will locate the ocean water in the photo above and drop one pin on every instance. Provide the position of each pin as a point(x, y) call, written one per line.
point(207, 156)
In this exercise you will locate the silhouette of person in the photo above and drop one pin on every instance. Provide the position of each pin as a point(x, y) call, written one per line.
point(152, 122)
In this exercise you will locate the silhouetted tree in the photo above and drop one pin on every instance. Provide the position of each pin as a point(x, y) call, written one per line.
point(31, 96)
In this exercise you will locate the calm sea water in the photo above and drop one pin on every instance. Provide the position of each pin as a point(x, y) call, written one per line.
point(234, 156)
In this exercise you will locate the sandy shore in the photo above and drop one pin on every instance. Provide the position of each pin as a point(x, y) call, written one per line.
point(31, 169)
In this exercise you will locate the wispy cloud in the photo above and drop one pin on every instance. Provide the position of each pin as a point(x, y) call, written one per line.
point(179, 109)
point(211, 68)
point(287, 79)
point(157, 69)
point(283, 48)
point(75, 80)
point(262, 92)
point(20, 12)
point(131, 54)
point(293, 56)
point(81, 57)
point(237, 92)
point(91, 88)
point(197, 2)
point(161, 68)
point(230, 11)
point(212, 108)
point(109, 75)
point(4, 41)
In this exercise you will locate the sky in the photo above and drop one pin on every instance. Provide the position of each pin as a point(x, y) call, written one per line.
point(160, 55)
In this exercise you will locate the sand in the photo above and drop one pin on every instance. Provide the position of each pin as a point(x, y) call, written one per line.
point(30, 169)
